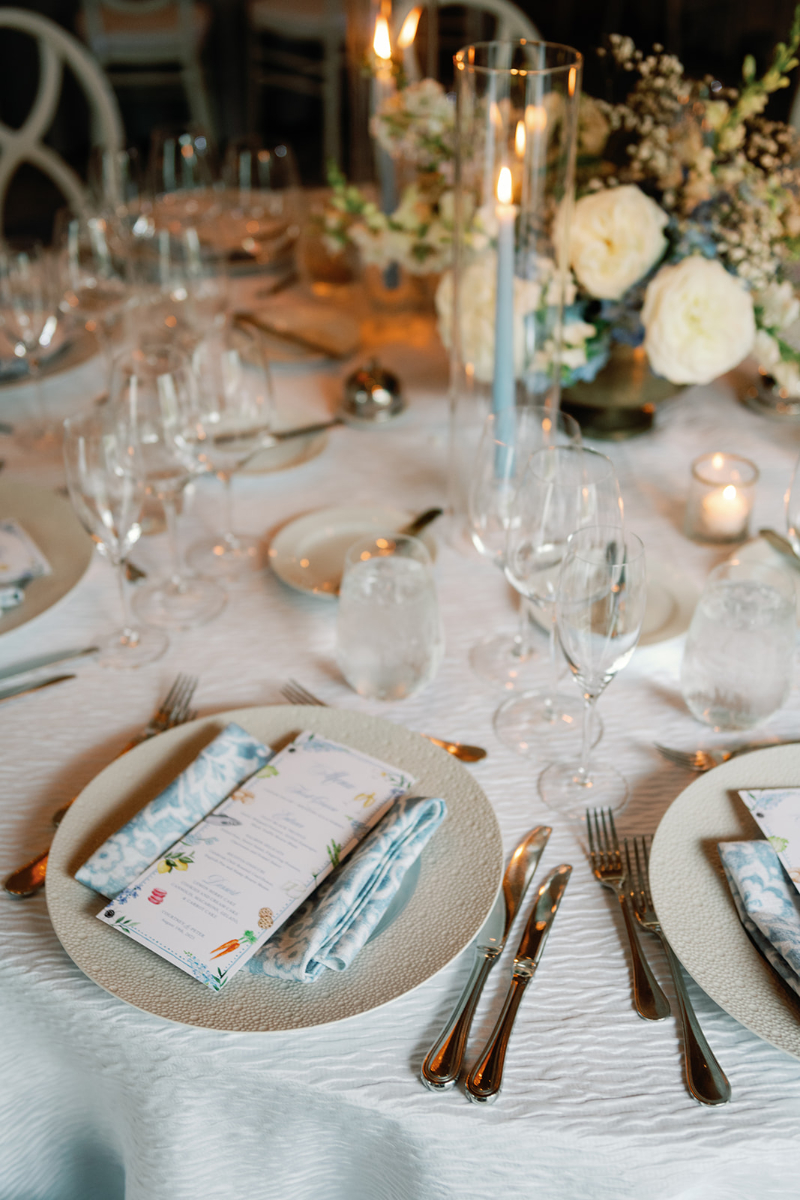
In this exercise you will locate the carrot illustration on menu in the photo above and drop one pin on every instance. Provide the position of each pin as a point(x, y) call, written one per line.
point(247, 938)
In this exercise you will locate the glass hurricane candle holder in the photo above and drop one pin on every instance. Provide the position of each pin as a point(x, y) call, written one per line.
point(720, 498)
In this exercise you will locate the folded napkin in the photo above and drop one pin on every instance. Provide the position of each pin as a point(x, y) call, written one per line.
point(222, 766)
point(10, 597)
point(21, 560)
point(330, 928)
point(767, 902)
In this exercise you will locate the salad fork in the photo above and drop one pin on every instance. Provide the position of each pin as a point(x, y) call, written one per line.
point(706, 760)
point(705, 1078)
point(607, 864)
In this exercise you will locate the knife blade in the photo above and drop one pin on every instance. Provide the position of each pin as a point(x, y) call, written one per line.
point(442, 1064)
point(782, 545)
point(485, 1078)
point(44, 660)
point(20, 689)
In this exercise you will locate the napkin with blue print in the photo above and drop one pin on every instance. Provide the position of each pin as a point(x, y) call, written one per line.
point(330, 928)
point(767, 902)
point(219, 769)
point(21, 560)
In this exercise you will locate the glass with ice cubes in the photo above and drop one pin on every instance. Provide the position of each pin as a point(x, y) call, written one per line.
point(738, 664)
point(389, 633)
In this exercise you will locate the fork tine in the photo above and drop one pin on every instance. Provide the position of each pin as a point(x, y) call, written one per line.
point(646, 872)
point(168, 699)
point(306, 697)
point(614, 838)
point(291, 695)
point(681, 757)
point(589, 815)
point(178, 712)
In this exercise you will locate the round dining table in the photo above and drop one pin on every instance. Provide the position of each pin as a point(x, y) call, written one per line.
point(104, 1101)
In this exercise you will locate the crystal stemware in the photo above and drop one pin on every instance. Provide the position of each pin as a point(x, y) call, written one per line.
point(498, 469)
point(261, 206)
point(95, 276)
point(600, 603)
point(562, 489)
point(231, 421)
point(152, 386)
point(106, 482)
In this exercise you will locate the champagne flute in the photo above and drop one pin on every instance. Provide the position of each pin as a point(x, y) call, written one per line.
point(600, 604)
point(152, 388)
point(499, 467)
point(563, 488)
point(231, 420)
point(106, 483)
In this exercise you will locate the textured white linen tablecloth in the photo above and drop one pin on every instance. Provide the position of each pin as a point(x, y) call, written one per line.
point(103, 1101)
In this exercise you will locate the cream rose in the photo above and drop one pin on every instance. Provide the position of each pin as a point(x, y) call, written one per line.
point(615, 238)
point(698, 321)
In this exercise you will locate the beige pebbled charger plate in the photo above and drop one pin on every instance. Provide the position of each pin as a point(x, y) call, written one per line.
point(694, 903)
point(460, 875)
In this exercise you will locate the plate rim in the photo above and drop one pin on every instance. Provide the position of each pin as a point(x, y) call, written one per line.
point(158, 752)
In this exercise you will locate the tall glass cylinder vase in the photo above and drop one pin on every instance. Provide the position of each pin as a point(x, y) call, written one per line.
point(500, 308)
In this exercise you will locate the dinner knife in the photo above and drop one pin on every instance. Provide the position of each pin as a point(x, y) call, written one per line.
point(20, 689)
point(44, 660)
point(485, 1078)
point(421, 522)
point(782, 545)
point(442, 1064)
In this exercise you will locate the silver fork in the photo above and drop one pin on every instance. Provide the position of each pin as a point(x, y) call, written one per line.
point(607, 864)
point(174, 710)
point(295, 693)
point(706, 760)
point(705, 1078)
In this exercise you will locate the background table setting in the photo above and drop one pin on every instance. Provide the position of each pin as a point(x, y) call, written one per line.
point(256, 569)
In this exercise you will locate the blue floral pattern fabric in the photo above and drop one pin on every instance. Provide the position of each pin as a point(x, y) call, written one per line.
point(768, 904)
point(222, 766)
point(329, 929)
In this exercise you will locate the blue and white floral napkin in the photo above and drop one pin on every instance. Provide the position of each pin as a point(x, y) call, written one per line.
point(222, 766)
point(767, 902)
point(21, 560)
point(332, 926)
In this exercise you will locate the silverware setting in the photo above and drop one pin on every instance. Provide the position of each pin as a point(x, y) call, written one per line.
point(705, 1078)
point(44, 660)
point(706, 760)
point(608, 866)
point(22, 689)
point(442, 1064)
point(295, 693)
point(173, 710)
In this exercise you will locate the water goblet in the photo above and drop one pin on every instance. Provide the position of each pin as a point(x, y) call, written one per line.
point(563, 488)
point(106, 483)
point(500, 464)
point(152, 387)
point(600, 602)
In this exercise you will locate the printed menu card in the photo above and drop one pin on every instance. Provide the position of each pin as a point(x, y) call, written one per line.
point(777, 811)
point(228, 884)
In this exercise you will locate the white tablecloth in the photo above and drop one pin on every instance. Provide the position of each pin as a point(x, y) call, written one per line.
point(103, 1101)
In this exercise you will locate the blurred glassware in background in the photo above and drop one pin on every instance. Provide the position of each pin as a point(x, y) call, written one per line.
point(182, 175)
point(95, 276)
point(106, 483)
point(229, 422)
point(116, 183)
point(152, 387)
point(793, 509)
point(562, 489)
point(181, 290)
point(261, 207)
point(738, 662)
point(389, 640)
point(496, 475)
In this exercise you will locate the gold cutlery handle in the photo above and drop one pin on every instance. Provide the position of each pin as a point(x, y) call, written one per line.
point(458, 749)
point(650, 1001)
point(485, 1078)
point(28, 879)
point(442, 1065)
point(705, 1078)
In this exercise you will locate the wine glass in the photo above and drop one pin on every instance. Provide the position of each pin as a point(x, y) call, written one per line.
point(600, 603)
point(262, 205)
point(181, 289)
point(500, 464)
point(562, 489)
point(793, 509)
point(95, 276)
point(152, 387)
point(106, 483)
point(231, 421)
point(30, 317)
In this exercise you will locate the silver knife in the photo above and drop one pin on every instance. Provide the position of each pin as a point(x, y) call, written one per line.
point(442, 1065)
point(485, 1078)
point(44, 660)
point(782, 545)
point(20, 689)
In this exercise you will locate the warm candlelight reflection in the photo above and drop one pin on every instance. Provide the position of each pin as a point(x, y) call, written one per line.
point(381, 43)
point(504, 190)
point(535, 118)
point(519, 139)
point(408, 30)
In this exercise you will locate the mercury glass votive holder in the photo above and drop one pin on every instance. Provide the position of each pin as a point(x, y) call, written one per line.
point(720, 498)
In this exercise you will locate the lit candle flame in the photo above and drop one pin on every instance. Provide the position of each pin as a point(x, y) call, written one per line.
point(716, 461)
point(729, 492)
point(519, 139)
point(409, 29)
point(504, 187)
point(381, 43)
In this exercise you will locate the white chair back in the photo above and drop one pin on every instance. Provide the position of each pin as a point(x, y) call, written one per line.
point(512, 24)
point(56, 48)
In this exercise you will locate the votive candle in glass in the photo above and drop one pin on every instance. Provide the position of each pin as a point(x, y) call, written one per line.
point(720, 498)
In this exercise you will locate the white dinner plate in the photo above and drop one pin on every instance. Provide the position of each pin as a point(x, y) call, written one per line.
point(51, 522)
point(72, 349)
point(308, 553)
point(461, 869)
point(760, 551)
point(694, 903)
point(291, 453)
point(671, 600)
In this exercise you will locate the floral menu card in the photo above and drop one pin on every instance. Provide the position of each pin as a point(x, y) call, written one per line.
point(219, 893)
point(777, 811)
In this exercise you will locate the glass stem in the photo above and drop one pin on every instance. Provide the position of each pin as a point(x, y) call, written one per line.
point(586, 745)
point(229, 536)
point(523, 643)
point(171, 515)
point(553, 659)
point(130, 634)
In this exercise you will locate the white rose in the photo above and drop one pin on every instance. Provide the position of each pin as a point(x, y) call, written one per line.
point(615, 238)
point(698, 321)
